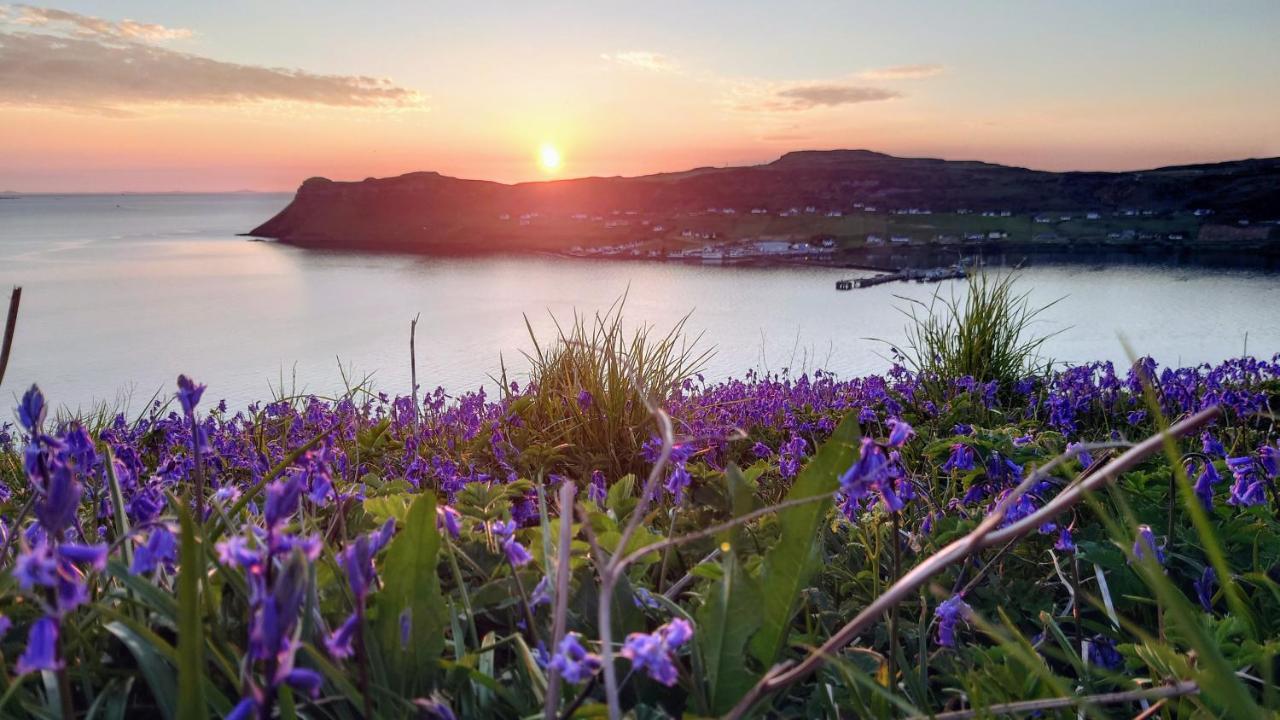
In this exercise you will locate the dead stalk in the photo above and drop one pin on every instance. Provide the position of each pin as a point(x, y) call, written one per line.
point(563, 570)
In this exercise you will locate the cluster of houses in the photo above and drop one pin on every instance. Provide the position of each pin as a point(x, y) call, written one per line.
point(717, 251)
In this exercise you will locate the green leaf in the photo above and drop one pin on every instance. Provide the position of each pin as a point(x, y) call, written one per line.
point(411, 586)
point(388, 506)
point(191, 703)
point(158, 673)
point(729, 617)
point(790, 563)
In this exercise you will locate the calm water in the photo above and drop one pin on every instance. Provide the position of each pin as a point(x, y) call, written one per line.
point(122, 293)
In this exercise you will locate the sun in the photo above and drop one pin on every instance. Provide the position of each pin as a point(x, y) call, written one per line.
point(549, 158)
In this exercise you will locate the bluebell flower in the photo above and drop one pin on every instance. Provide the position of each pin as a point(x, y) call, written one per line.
point(1085, 458)
point(584, 400)
point(434, 708)
point(597, 492)
point(1065, 542)
point(1205, 481)
point(1248, 488)
point(1137, 416)
point(574, 663)
point(900, 432)
point(31, 410)
point(1146, 546)
point(962, 429)
point(961, 459)
point(1205, 588)
point(1269, 457)
point(160, 550)
point(448, 518)
point(339, 643)
point(541, 594)
point(654, 652)
point(41, 652)
point(949, 612)
point(678, 479)
point(516, 553)
point(356, 559)
point(645, 599)
point(761, 450)
point(189, 393)
point(1211, 446)
point(1103, 653)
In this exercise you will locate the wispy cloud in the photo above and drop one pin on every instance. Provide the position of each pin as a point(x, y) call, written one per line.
point(77, 62)
point(796, 97)
point(87, 25)
point(651, 61)
point(903, 72)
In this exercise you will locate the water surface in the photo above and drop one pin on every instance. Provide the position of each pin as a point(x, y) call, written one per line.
point(123, 292)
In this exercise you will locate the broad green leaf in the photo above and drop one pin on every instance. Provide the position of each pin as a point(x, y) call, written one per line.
point(790, 563)
point(729, 617)
point(412, 589)
point(388, 506)
point(158, 673)
point(191, 703)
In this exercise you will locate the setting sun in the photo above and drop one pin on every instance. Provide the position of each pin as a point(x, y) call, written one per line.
point(549, 158)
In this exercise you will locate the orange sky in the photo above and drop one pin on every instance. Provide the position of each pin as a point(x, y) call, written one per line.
point(193, 99)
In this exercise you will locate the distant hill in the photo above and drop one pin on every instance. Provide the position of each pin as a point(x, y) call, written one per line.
point(429, 212)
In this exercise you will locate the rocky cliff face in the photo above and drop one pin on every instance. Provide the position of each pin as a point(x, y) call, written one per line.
point(429, 211)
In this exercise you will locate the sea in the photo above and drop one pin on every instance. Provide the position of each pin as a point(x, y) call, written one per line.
point(122, 293)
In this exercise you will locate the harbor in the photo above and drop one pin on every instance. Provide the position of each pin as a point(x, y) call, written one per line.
point(904, 275)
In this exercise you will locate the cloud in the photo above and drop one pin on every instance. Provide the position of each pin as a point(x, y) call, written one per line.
point(111, 68)
point(903, 72)
point(651, 61)
point(89, 26)
point(807, 96)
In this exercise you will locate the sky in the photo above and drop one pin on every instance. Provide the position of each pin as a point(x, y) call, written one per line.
point(152, 95)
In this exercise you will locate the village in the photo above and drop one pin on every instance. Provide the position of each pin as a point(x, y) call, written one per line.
point(812, 234)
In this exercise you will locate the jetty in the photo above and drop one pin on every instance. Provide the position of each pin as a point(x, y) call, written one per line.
point(904, 275)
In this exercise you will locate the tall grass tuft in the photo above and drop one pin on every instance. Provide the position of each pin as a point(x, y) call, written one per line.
point(987, 334)
point(583, 409)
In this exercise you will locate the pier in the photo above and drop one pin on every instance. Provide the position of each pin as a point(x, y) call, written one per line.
point(904, 275)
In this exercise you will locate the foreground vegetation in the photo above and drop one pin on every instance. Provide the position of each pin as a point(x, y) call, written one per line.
point(620, 537)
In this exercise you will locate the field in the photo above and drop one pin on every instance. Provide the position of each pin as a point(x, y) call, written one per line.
point(973, 532)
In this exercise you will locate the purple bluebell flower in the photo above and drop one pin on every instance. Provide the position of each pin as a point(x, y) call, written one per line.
point(761, 450)
point(961, 459)
point(1211, 446)
point(356, 559)
point(654, 652)
point(160, 550)
point(597, 491)
point(1146, 546)
point(1269, 458)
point(189, 393)
point(340, 642)
point(1135, 417)
point(41, 652)
point(791, 456)
point(900, 432)
point(1024, 440)
point(962, 429)
point(645, 599)
point(574, 663)
point(678, 479)
point(1103, 653)
point(1248, 489)
point(448, 518)
point(1205, 481)
point(31, 410)
point(541, 594)
point(949, 612)
point(1205, 588)
point(1085, 458)
point(516, 553)
point(1065, 543)
point(434, 708)
point(584, 400)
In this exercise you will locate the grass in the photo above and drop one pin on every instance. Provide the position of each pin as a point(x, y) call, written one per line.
point(586, 407)
point(988, 334)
